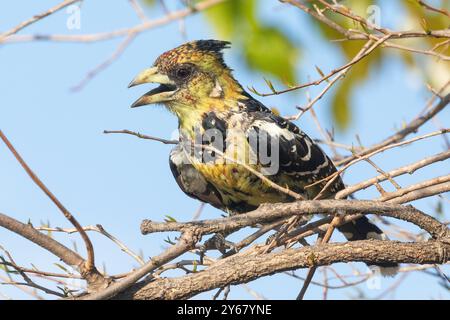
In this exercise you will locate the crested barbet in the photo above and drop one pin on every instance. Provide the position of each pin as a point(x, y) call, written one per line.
point(218, 120)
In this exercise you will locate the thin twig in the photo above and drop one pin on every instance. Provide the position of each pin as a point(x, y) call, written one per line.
point(142, 136)
point(90, 264)
point(102, 66)
point(102, 36)
point(36, 18)
point(97, 228)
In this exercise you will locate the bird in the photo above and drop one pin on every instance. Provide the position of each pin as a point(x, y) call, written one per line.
point(217, 120)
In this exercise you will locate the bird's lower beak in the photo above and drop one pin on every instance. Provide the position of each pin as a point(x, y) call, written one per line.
point(160, 94)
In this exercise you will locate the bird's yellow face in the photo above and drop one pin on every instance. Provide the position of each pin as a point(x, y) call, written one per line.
point(193, 80)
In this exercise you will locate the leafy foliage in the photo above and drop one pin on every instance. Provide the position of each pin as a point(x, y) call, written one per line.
point(414, 16)
point(268, 49)
point(265, 48)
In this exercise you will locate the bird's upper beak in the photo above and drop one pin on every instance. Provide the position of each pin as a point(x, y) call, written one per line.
point(160, 94)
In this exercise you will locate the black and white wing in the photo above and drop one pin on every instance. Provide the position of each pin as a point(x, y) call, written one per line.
point(301, 163)
point(191, 181)
point(301, 160)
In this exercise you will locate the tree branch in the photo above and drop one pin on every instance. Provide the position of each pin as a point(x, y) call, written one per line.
point(101, 36)
point(68, 256)
point(270, 212)
point(36, 18)
point(248, 266)
point(90, 264)
point(186, 242)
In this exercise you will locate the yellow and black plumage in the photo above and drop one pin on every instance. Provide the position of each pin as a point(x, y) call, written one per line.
point(198, 87)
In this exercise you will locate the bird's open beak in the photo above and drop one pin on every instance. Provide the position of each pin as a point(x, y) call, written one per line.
point(160, 94)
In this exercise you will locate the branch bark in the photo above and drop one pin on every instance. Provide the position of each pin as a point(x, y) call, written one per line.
point(270, 212)
point(68, 256)
point(245, 267)
point(186, 242)
point(95, 279)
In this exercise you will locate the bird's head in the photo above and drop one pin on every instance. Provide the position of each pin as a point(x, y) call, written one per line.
point(193, 77)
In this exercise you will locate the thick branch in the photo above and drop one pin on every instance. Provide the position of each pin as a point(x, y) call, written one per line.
point(186, 243)
point(270, 212)
point(95, 280)
point(245, 267)
point(69, 257)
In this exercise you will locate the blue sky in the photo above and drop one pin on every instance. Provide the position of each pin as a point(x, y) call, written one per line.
point(118, 180)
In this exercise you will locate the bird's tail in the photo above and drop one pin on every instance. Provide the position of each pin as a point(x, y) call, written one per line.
point(362, 229)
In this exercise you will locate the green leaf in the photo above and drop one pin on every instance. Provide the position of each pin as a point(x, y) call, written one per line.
point(439, 210)
point(230, 17)
point(169, 241)
point(340, 107)
point(5, 268)
point(169, 219)
point(268, 50)
point(321, 73)
point(265, 48)
point(270, 85)
point(61, 267)
point(148, 2)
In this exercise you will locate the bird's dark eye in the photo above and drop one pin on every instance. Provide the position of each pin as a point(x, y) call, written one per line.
point(183, 72)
